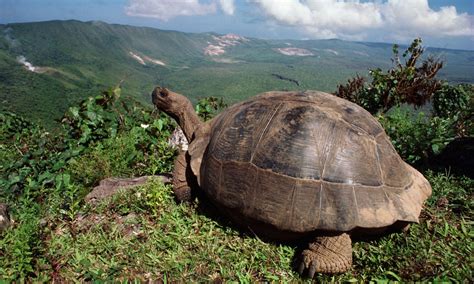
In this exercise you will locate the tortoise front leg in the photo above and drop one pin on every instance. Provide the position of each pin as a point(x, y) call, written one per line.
point(182, 176)
point(327, 254)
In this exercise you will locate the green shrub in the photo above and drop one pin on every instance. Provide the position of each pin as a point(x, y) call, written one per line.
point(35, 154)
point(405, 83)
point(20, 246)
point(40, 156)
point(457, 103)
point(450, 100)
point(416, 136)
point(208, 107)
point(128, 154)
point(95, 119)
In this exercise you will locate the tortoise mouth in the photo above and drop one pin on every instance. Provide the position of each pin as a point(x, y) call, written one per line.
point(163, 99)
point(158, 93)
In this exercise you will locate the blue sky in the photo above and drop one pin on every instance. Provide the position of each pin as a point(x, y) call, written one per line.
point(441, 23)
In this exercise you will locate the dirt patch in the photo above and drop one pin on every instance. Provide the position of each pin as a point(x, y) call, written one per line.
point(221, 42)
point(294, 51)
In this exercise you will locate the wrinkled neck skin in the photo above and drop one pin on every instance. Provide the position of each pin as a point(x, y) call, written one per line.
point(187, 119)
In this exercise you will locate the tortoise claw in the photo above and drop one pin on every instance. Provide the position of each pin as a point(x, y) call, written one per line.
point(327, 254)
point(307, 266)
point(301, 268)
point(312, 270)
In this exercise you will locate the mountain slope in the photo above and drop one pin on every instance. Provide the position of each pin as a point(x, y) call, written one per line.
point(46, 66)
point(75, 59)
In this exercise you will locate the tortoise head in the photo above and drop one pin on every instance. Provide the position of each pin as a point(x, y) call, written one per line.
point(168, 101)
point(178, 107)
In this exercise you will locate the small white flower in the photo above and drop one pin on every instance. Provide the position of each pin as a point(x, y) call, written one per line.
point(144, 126)
point(178, 140)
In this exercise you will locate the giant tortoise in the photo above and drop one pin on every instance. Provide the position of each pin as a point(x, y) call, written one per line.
point(298, 166)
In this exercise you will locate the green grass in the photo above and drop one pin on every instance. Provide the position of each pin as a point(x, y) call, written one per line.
point(142, 233)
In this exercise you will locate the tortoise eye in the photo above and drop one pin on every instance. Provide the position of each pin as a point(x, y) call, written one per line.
point(163, 93)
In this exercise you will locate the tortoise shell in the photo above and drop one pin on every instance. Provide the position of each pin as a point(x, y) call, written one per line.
point(306, 161)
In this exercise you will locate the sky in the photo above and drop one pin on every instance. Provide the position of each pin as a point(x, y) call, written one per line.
point(440, 23)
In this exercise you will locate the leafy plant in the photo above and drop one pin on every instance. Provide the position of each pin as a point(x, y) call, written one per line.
point(42, 156)
point(96, 118)
point(416, 136)
point(135, 152)
point(456, 103)
point(21, 247)
point(449, 100)
point(208, 107)
point(36, 154)
point(403, 83)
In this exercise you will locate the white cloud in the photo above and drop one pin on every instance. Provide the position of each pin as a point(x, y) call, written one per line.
point(347, 19)
point(324, 18)
point(227, 6)
point(413, 18)
point(353, 19)
point(168, 9)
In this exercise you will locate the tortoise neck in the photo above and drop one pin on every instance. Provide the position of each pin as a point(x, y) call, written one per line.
point(187, 119)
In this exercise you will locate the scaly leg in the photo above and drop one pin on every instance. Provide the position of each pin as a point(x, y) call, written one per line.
point(327, 254)
point(182, 177)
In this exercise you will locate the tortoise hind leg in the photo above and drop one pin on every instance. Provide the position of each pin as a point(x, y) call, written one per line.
point(327, 254)
point(182, 178)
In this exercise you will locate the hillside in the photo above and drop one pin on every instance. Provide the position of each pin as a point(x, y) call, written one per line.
point(47, 66)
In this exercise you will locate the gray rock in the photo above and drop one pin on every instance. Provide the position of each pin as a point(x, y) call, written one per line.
point(110, 186)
